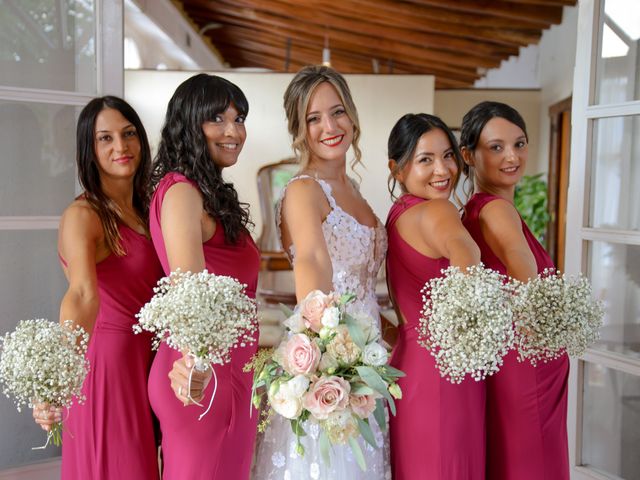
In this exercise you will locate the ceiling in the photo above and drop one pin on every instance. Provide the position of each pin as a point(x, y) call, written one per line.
point(455, 40)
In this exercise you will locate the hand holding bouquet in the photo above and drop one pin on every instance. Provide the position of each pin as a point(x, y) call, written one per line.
point(43, 362)
point(466, 322)
point(554, 314)
point(329, 369)
point(202, 313)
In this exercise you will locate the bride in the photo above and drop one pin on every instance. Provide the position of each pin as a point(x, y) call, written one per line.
point(335, 242)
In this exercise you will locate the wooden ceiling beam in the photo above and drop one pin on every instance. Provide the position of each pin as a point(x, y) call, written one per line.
point(271, 38)
point(366, 34)
point(322, 15)
point(550, 15)
point(377, 48)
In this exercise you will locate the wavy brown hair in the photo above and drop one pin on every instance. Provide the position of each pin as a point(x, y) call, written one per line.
point(89, 175)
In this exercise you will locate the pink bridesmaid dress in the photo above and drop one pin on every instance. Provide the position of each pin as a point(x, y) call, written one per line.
point(526, 405)
point(438, 432)
point(111, 435)
point(220, 446)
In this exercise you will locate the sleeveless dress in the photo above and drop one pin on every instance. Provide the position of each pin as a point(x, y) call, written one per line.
point(357, 252)
point(111, 435)
point(438, 432)
point(526, 405)
point(220, 446)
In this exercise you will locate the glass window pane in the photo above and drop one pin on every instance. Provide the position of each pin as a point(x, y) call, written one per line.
point(614, 271)
point(37, 158)
point(615, 175)
point(617, 69)
point(31, 286)
point(611, 421)
point(48, 44)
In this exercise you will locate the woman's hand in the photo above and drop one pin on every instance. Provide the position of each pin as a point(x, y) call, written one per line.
point(179, 376)
point(47, 415)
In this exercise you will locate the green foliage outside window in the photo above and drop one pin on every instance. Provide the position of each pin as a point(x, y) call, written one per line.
point(531, 201)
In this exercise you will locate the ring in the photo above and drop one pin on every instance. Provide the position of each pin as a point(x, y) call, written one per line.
point(180, 391)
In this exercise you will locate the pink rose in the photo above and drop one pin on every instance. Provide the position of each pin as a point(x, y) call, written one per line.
point(327, 395)
point(362, 405)
point(300, 355)
point(312, 308)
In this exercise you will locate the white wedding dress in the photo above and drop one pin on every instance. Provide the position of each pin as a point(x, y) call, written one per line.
point(357, 252)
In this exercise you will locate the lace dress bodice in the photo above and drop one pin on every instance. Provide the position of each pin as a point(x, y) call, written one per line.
point(356, 251)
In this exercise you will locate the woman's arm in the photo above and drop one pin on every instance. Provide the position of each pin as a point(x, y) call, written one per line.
point(79, 236)
point(443, 232)
point(501, 228)
point(302, 215)
point(181, 218)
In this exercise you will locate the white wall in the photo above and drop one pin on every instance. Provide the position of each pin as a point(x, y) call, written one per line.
point(548, 66)
point(381, 100)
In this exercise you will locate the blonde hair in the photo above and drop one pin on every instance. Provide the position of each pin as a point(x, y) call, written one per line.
point(296, 102)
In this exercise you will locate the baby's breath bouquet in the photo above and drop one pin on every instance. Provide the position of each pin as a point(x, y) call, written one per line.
point(553, 314)
point(466, 322)
point(329, 369)
point(43, 361)
point(205, 314)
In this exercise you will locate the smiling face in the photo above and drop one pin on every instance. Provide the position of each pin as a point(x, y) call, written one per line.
point(432, 170)
point(500, 157)
point(225, 135)
point(329, 128)
point(117, 145)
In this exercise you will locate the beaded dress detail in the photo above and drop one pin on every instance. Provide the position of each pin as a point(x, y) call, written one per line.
point(357, 252)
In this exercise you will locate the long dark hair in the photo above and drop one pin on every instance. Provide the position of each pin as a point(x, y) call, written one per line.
point(183, 147)
point(89, 175)
point(404, 137)
point(474, 122)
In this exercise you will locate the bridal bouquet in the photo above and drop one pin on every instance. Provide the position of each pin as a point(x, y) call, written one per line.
point(554, 314)
point(466, 322)
point(202, 313)
point(43, 361)
point(329, 369)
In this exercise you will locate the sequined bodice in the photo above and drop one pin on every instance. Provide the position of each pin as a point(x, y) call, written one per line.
point(356, 250)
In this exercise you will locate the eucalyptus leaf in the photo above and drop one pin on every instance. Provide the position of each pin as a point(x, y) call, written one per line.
point(323, 443)
point(379, 415)
point(393, 372)
point(297, 428)
point(355, 331)
point(357, 453)
point(286, 310)
point(375, 381)
point(361, 389)
point(366, 432)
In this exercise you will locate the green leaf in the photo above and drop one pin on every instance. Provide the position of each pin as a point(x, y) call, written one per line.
point(346, 298)
point(393, 372)
point(357, 335)
point(286, 310)
point(298, 431)
point(361, 389)
point(366, 432)
point(379, 415)
point(375, 381)
point(323, 443)
point(357, 453)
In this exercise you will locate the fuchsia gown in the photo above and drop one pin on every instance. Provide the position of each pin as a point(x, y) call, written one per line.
point(526, 405)
point(438, 432)
point(111, 435)
point(220, 446)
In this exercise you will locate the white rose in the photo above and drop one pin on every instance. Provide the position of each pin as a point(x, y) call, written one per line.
point(374, 354)
point(295, 323)
point(331, 317)
point(287, 401)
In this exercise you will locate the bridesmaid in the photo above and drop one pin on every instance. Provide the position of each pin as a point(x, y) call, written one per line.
point(112, 268)
point(438, 431)
point(197, 222)
point(526, 405)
